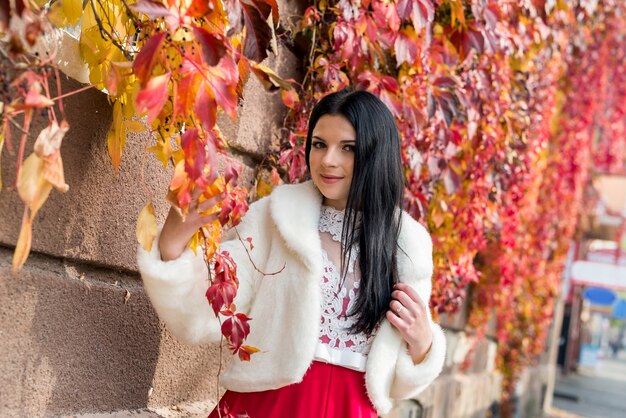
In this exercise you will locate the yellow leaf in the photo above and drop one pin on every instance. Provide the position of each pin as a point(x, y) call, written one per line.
point(22, 248)
point(65, 12)
point(146, 227)
point(32, 186)
point(116, 139)
point(263, 188)
point(163, 151)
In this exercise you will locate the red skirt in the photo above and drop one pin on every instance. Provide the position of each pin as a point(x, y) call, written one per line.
point(326, 391)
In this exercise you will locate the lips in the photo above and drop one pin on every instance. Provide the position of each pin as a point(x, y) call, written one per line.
point(330, 179)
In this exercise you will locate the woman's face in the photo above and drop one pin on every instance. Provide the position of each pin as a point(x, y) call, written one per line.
point(331, 158)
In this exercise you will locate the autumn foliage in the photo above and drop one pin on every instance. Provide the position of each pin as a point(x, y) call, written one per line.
point(505, 109)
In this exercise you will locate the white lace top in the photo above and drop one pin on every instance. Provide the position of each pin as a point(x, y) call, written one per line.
point(337, 345)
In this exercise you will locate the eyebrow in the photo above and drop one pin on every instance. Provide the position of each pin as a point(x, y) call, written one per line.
point(344, 141)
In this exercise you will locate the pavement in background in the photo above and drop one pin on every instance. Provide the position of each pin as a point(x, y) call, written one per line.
point(599, 393)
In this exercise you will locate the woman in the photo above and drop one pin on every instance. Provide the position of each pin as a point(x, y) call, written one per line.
point(344, 328)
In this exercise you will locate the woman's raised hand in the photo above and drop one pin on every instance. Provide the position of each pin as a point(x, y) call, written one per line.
point(177, 232)
point(409, 315)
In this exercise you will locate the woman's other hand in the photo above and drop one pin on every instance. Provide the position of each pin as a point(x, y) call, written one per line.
point(177, 233)
point(409, 315)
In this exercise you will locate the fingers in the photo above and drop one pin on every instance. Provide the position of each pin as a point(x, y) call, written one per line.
point(403, 305)
point(412, 293)
point(209, 203)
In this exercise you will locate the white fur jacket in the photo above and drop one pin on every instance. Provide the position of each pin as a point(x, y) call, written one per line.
point(285, 308)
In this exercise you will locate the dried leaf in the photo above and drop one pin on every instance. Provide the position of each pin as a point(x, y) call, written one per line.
point(126, 297)
point(49, 140)
point(22, 248)
point(32, 187)
point(146, 227)
point(53, 172)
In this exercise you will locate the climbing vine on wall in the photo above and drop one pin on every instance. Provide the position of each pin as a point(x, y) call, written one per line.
point(504, 108)
point(176, 63)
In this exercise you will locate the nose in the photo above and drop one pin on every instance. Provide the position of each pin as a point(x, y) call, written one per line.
point(330, 158)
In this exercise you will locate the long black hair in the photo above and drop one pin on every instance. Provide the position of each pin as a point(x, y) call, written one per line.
point(372, 214)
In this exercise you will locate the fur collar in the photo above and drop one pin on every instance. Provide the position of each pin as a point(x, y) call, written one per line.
point(295, 210)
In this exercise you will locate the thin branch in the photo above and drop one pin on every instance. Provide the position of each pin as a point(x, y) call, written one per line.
point(71, 93)
point(58, 80)
point(51, 114)
point(17, 125)
point(28, 116)
point(105, 34)
point(143, 166)
point(252, 262)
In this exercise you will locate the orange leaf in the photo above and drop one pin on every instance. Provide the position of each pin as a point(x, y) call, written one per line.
point(22, 248)
point(290, 97)
point(154, 96)
point(185, 93)
point(146, 227)
point(245, 351)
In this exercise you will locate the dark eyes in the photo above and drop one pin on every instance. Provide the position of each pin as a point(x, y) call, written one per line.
point(321, 145)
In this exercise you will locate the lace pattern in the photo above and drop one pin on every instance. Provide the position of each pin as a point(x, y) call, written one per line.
point(338, 297)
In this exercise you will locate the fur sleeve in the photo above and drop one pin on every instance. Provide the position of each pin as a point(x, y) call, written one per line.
point(177, 288)
point(410, 379)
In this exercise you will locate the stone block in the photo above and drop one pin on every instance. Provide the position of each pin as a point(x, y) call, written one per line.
point(78, 339)
point(256, 131)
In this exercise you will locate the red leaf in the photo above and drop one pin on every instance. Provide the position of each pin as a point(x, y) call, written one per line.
point(198, 153)
point(154, 96)
point(151, 9)
point(423, 14)
point(258, 32)
point(236, 329)
point(213, 48)
point(146, 58)
point(205, 107)
point(223, 80)
point(406, 46)
point(186, 93)
point(223, 289)
point(231, 174)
